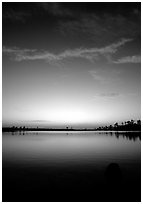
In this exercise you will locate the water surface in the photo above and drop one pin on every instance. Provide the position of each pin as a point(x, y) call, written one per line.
point(52, 166)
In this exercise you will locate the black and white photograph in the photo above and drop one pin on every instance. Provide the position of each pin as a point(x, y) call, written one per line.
point(71, 101)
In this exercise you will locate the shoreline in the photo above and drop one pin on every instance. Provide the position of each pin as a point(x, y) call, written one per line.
point(65, 130)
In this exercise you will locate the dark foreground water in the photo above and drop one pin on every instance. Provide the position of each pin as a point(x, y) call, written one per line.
point(71, 166)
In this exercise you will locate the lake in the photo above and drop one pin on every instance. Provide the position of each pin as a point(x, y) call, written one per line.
point(71, 166)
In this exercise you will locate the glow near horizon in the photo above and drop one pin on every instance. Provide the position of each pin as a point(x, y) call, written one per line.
point(55, 99)
point(70, 116)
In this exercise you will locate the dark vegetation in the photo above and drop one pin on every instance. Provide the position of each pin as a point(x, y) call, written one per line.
point(124, 126)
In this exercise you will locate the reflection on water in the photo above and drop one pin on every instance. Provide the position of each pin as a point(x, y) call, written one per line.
point(77, 162)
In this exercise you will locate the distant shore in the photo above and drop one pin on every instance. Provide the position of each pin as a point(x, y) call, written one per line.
point(130, 125)
point(59, 129)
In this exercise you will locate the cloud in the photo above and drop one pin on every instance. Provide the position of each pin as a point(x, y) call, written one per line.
point(104, 77)
point(129, 59)
point(55, 9)
point(108, 94)
point(18, 54)
point(91, 54)
point(98, 77)
point(38, 121)
point(13, 15)
point(101, 28)
point(22, 12)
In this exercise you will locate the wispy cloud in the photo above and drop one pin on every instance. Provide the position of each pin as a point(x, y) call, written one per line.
point(91, 54)
point(99, 28)
point(55, 9)
point(129, 59)
point(104, 77)
point(96, 76)
point(13, 15)
point(107, 95)
point(38, 121)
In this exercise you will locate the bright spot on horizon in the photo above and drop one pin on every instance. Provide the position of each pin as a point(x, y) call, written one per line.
point(68, 116)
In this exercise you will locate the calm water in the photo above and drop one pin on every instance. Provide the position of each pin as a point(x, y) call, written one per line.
point(70, 166)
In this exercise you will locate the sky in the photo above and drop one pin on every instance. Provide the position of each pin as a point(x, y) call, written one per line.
point(75, 64)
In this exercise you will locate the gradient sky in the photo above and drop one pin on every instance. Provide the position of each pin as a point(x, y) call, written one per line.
point(71, 63)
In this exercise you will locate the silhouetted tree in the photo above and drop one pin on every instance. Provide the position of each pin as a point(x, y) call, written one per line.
point(116, 125)
point(132, 122)
point(128, 122)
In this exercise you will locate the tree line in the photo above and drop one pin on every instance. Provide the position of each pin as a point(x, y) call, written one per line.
point(131, 125)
